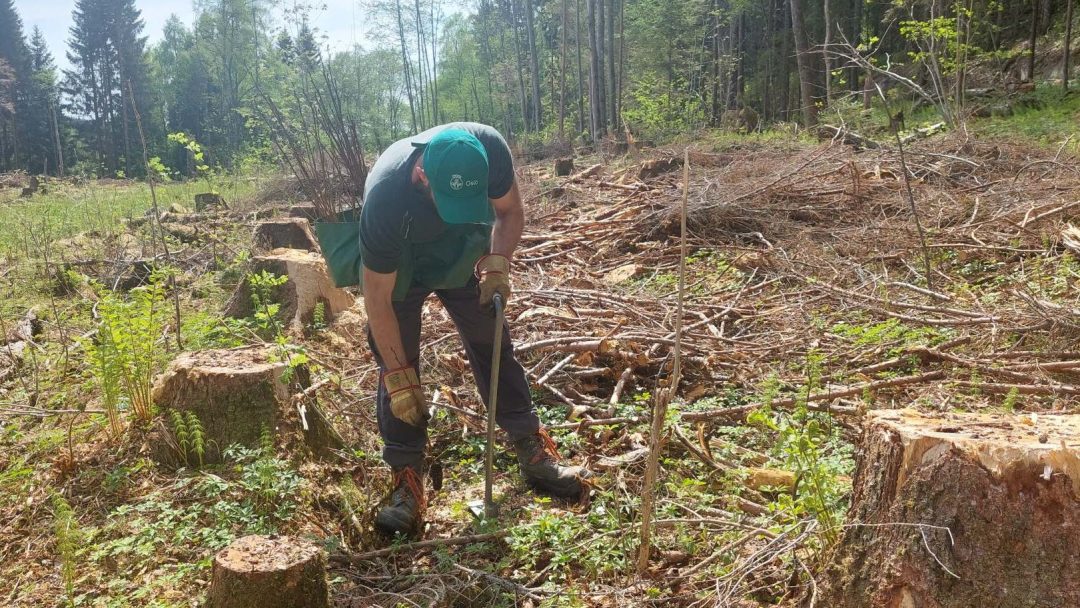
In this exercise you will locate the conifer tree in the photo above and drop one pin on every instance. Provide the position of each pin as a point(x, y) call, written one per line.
point(13, 77)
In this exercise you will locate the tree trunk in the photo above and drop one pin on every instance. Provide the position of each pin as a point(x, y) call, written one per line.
point(562, 73)
point(613, 118)
point(580, 69)
point(595, 108)
point(405, 63)
point(802, 58)
point(522, 96)
point(825, 52)
point(1067, 69)
point(236, 395)
point(601, 66)
point(961, 511)
point(263, 572)
point(534, 61)
point(1034, 37)
point(422, 66)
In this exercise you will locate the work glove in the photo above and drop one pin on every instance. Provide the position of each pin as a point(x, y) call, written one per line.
point(407, 401)
point(493, 271)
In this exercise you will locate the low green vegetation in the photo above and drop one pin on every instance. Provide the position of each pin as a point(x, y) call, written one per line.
point(1047, 116)
point(65, 210)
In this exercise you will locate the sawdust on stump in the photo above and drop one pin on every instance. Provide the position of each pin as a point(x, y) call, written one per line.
point(308, 285)
point(962, 511)
point(262, 572)
point(289, 233)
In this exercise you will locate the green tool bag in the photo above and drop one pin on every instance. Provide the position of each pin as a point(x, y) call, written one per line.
point(340, 244)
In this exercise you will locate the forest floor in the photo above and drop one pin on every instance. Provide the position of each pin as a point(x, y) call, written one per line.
point(810, 297)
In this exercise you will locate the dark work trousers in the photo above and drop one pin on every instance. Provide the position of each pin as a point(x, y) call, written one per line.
point(403, 444)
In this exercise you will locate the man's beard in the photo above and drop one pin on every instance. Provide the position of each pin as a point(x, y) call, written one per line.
point(424, 191)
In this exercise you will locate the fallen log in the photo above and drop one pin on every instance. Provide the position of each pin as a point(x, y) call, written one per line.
point(961, 511)
point(262, 572)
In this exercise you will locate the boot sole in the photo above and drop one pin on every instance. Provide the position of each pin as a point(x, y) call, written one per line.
point(389, 526)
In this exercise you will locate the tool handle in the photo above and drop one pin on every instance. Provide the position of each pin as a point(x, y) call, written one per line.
point(490, 509)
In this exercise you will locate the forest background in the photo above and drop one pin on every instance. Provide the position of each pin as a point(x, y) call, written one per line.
point(541, 71)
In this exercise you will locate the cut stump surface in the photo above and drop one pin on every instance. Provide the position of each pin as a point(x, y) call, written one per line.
point(289, 233)
point(962, 511)
point(262, 572)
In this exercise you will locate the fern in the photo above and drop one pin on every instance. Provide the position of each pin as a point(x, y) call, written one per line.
point(318, 316)
point(127, 351)
point(198, 441)
point(266, 442)
point(190, 436)
point(67, 543)
point(180, 431)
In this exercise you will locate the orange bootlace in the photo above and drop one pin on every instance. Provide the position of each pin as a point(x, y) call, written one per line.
point(415, 485)
point(549, 447)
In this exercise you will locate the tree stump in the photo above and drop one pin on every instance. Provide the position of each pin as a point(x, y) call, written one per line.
point(1005, 487)
point(261, 572)
point(288, 233)
point(209, 200)
point(308, 285)
point(304, 210)
point(236, 395)
point(564, 166)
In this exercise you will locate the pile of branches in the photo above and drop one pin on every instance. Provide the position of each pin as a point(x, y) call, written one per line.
point(792, 251)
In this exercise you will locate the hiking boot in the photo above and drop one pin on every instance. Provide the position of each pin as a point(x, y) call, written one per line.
point(539, 461)
point(404, 508)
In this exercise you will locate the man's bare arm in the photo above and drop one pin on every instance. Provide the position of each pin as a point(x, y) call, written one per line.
point(509, 222)
point(378, 292)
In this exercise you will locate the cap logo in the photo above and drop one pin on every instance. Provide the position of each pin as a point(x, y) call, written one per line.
point(456, 183)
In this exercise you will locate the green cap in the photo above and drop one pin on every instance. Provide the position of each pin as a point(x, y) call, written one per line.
point(456, 165)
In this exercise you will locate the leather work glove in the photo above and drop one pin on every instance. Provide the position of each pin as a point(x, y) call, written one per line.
point(494, 274)
point(407, 401)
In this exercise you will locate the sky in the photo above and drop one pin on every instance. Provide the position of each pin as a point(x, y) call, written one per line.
point(342, 21)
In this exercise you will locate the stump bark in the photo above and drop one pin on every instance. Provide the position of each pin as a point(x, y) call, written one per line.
point(962, 511)
point(564, 166)
point(308, 285)
point(288, 233)
point(261, 572)
point(236, 395)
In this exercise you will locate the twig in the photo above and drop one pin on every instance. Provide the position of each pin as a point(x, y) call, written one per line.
point(621, 385)
point(664, 396)
point(910, 193)
point(157, 215)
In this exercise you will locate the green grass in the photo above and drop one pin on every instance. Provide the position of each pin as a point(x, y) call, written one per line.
point(1046, 116)
point(66, 210)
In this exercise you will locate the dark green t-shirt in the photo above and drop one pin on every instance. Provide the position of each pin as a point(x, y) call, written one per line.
point(400, 230)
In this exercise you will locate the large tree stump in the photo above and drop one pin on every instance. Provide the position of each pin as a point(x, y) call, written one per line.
point(1007, 489)
point(237, 395)
point(261, 572)
point(289, 233)
point(308, 285)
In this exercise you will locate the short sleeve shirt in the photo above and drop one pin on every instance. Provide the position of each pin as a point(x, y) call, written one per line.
point(400, 230)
